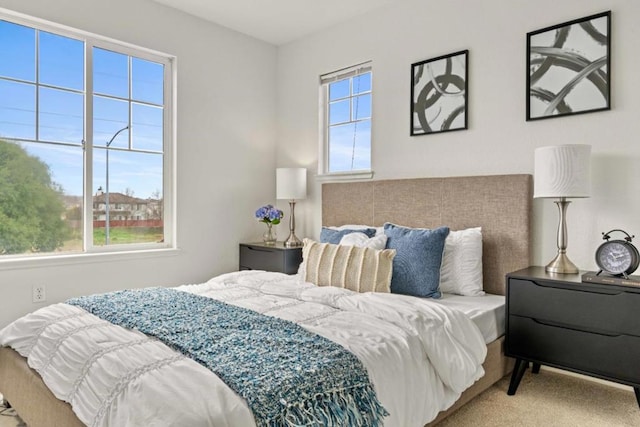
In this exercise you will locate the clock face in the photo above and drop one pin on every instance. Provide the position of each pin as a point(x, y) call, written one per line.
point(614, 257)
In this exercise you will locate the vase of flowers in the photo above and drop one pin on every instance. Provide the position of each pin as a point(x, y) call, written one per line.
point(271, 216)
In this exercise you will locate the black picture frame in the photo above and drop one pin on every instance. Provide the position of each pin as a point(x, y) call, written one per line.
point(435, 107)
point(569, 68)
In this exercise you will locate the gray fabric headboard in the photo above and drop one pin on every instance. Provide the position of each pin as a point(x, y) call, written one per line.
point(500, 204)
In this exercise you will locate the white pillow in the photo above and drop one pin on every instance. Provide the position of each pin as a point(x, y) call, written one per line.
point(379, 230)
point(362, 241)
point(461, 271)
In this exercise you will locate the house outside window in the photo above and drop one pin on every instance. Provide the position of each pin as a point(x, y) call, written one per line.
point(345, 140)
point(85, 139)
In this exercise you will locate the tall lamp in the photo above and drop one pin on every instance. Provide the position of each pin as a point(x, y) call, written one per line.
point(291, 184)
point(562, 172)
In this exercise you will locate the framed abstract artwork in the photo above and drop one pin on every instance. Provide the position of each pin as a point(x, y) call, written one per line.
point(568, 68)
point(439, 94)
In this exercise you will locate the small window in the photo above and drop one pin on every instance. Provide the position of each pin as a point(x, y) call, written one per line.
point(346, 115)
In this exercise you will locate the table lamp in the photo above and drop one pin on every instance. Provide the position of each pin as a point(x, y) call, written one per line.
point(562, 172)
point(291, 184)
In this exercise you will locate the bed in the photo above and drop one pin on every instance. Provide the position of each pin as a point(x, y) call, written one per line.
point(501, 205)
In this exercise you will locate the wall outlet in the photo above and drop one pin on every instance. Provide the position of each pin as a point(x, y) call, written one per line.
point(39, 293)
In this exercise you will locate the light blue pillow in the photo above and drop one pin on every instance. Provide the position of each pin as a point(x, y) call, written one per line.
point(329, 235)
point(416, 266)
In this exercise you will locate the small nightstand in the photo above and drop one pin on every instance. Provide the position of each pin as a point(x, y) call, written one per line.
point(258, 256)
point(588, 328)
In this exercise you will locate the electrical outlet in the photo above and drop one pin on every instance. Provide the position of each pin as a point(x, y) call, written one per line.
point(39, 293)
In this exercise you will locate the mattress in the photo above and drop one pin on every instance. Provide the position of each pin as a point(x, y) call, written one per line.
point(486, 311)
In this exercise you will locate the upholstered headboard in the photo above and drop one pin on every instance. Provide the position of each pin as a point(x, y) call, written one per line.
point(500, 204)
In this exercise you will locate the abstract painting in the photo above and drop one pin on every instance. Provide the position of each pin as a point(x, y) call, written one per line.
point(439, 94)
point(569, 68)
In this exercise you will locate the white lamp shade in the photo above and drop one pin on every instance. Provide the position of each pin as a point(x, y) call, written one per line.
point(562, 171)
point(291, 183)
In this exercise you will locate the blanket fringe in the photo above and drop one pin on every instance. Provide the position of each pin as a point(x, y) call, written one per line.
point(355, 407)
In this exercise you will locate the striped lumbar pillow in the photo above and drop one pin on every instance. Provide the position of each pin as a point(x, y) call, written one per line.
point(351, 267)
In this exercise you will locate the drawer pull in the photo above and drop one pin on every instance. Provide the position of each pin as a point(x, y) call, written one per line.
point(573, 328)
point(251, 248)
point(608, 292)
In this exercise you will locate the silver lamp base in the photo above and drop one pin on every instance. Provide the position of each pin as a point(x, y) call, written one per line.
point(561, 264)
point(292, 241)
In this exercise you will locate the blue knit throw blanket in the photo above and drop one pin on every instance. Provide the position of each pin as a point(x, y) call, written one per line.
point(288, 376)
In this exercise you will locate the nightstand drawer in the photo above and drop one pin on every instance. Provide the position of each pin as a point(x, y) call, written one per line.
point(277, 257)
point(608, 310)
point(608, 356)
point(258, 258)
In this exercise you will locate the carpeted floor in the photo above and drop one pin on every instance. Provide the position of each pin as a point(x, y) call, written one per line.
point(548, 399)
point(8, 418)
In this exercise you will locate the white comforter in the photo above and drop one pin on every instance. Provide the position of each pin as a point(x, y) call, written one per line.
point(420, 355)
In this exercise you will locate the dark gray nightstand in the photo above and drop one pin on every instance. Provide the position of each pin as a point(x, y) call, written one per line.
point(258, 256)
point(558, 320)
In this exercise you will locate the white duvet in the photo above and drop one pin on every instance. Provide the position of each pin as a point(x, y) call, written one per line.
point(419, 355)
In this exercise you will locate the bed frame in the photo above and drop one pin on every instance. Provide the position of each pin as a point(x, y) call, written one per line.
point(501, 205)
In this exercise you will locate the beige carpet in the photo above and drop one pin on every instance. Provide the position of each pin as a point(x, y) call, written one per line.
point(548, 399)
point(8, 418)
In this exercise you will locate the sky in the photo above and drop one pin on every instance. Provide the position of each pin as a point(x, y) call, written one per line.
point(350, 124)
point(45, 100)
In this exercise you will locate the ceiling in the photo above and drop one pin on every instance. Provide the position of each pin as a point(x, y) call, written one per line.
point(276, 21)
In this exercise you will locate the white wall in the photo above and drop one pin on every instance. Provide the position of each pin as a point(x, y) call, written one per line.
point(225, 148)
point(499, 140)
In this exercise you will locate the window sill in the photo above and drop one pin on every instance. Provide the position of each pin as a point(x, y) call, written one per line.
point(83, 258)
point(344, 176)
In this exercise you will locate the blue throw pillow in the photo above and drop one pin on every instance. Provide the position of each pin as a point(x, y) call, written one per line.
point(416, 266)
point(329, 235)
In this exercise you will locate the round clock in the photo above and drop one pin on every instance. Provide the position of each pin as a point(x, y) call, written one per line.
point(617, 257)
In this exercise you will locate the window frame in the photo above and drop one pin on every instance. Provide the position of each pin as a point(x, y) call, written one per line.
point(323, 156)
point(169, 62)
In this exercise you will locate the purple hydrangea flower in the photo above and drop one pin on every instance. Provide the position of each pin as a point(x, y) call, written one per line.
point(269, 214)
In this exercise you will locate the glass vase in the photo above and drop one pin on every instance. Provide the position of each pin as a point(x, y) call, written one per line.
point(269, 237)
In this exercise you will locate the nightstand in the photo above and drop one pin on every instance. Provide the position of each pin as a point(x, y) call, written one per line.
point(258, 256)
point(588, 328)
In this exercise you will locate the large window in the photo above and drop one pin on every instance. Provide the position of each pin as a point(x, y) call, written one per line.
point(346, 115)
point(85, 142)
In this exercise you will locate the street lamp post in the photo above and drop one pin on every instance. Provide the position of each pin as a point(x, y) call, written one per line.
point(106, 197)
